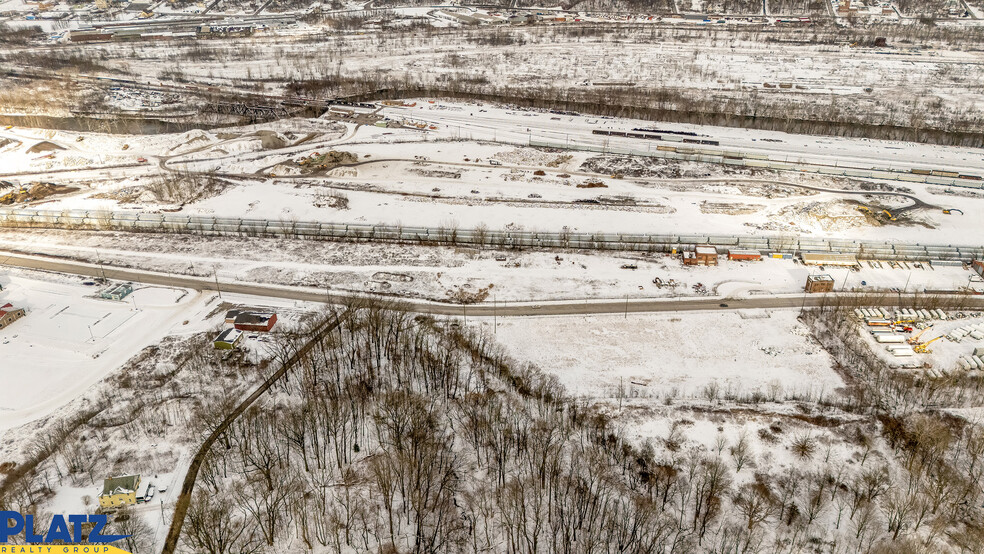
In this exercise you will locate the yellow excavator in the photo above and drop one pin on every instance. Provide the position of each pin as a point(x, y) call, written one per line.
point(923, 348)
point(914, 339)
point(890, 216)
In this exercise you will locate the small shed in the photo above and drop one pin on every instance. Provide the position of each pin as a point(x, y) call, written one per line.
point(820, 283)
point(228, 339)
point(231, 315)
point(117, 292)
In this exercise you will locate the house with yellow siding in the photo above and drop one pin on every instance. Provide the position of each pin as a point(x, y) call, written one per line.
point(119, 491)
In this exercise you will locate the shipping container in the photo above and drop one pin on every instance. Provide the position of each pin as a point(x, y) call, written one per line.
point(890, 338)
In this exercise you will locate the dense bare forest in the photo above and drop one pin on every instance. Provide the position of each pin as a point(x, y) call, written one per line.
point(399, 434)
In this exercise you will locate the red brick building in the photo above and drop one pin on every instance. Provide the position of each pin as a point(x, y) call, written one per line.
point(819, 283)
point(702, 255)
point(257, 322)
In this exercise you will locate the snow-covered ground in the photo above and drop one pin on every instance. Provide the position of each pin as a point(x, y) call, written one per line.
point(70, 338)
point(446, 273)
point(408, 177)
point(676, 355)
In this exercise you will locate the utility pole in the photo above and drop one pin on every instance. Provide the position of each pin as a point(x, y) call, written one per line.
point(215, 273)
point(101, 268)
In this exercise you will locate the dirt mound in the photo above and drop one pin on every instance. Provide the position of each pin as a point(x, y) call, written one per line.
point(271, 140)
point(327, 160)
point(43, 146)
point(34, 191)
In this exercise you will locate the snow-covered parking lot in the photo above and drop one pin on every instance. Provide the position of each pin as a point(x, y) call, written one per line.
point(71, 338)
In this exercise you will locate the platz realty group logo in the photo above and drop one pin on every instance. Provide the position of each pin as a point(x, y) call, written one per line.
point(62, 536)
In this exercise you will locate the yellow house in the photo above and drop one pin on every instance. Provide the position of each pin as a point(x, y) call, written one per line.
point(119, 491)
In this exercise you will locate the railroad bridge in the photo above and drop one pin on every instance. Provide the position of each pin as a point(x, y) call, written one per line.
point(254, 112)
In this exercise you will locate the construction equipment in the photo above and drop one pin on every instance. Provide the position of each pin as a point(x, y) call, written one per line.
point(890, 216)
point(914, 339)
point(923, 348)
point(864, 209)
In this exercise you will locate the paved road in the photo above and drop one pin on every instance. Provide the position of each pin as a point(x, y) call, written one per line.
point(188, 486)
point(566, 307)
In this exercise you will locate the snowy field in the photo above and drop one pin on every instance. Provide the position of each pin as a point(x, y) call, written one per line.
point(70, 339)
point(676, 355)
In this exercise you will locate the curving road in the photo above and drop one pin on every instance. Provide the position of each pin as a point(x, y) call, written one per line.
point(566, 307)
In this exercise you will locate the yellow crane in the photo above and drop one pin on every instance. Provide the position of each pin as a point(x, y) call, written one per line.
point(924, 347)
point(914, 339)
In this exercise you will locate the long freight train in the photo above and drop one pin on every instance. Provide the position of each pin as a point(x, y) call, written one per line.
point(673, 136)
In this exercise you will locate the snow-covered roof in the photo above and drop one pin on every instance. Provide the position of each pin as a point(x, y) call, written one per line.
point(120, 485)
point(253, 318)
point(829, 258)
point(229, 335)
